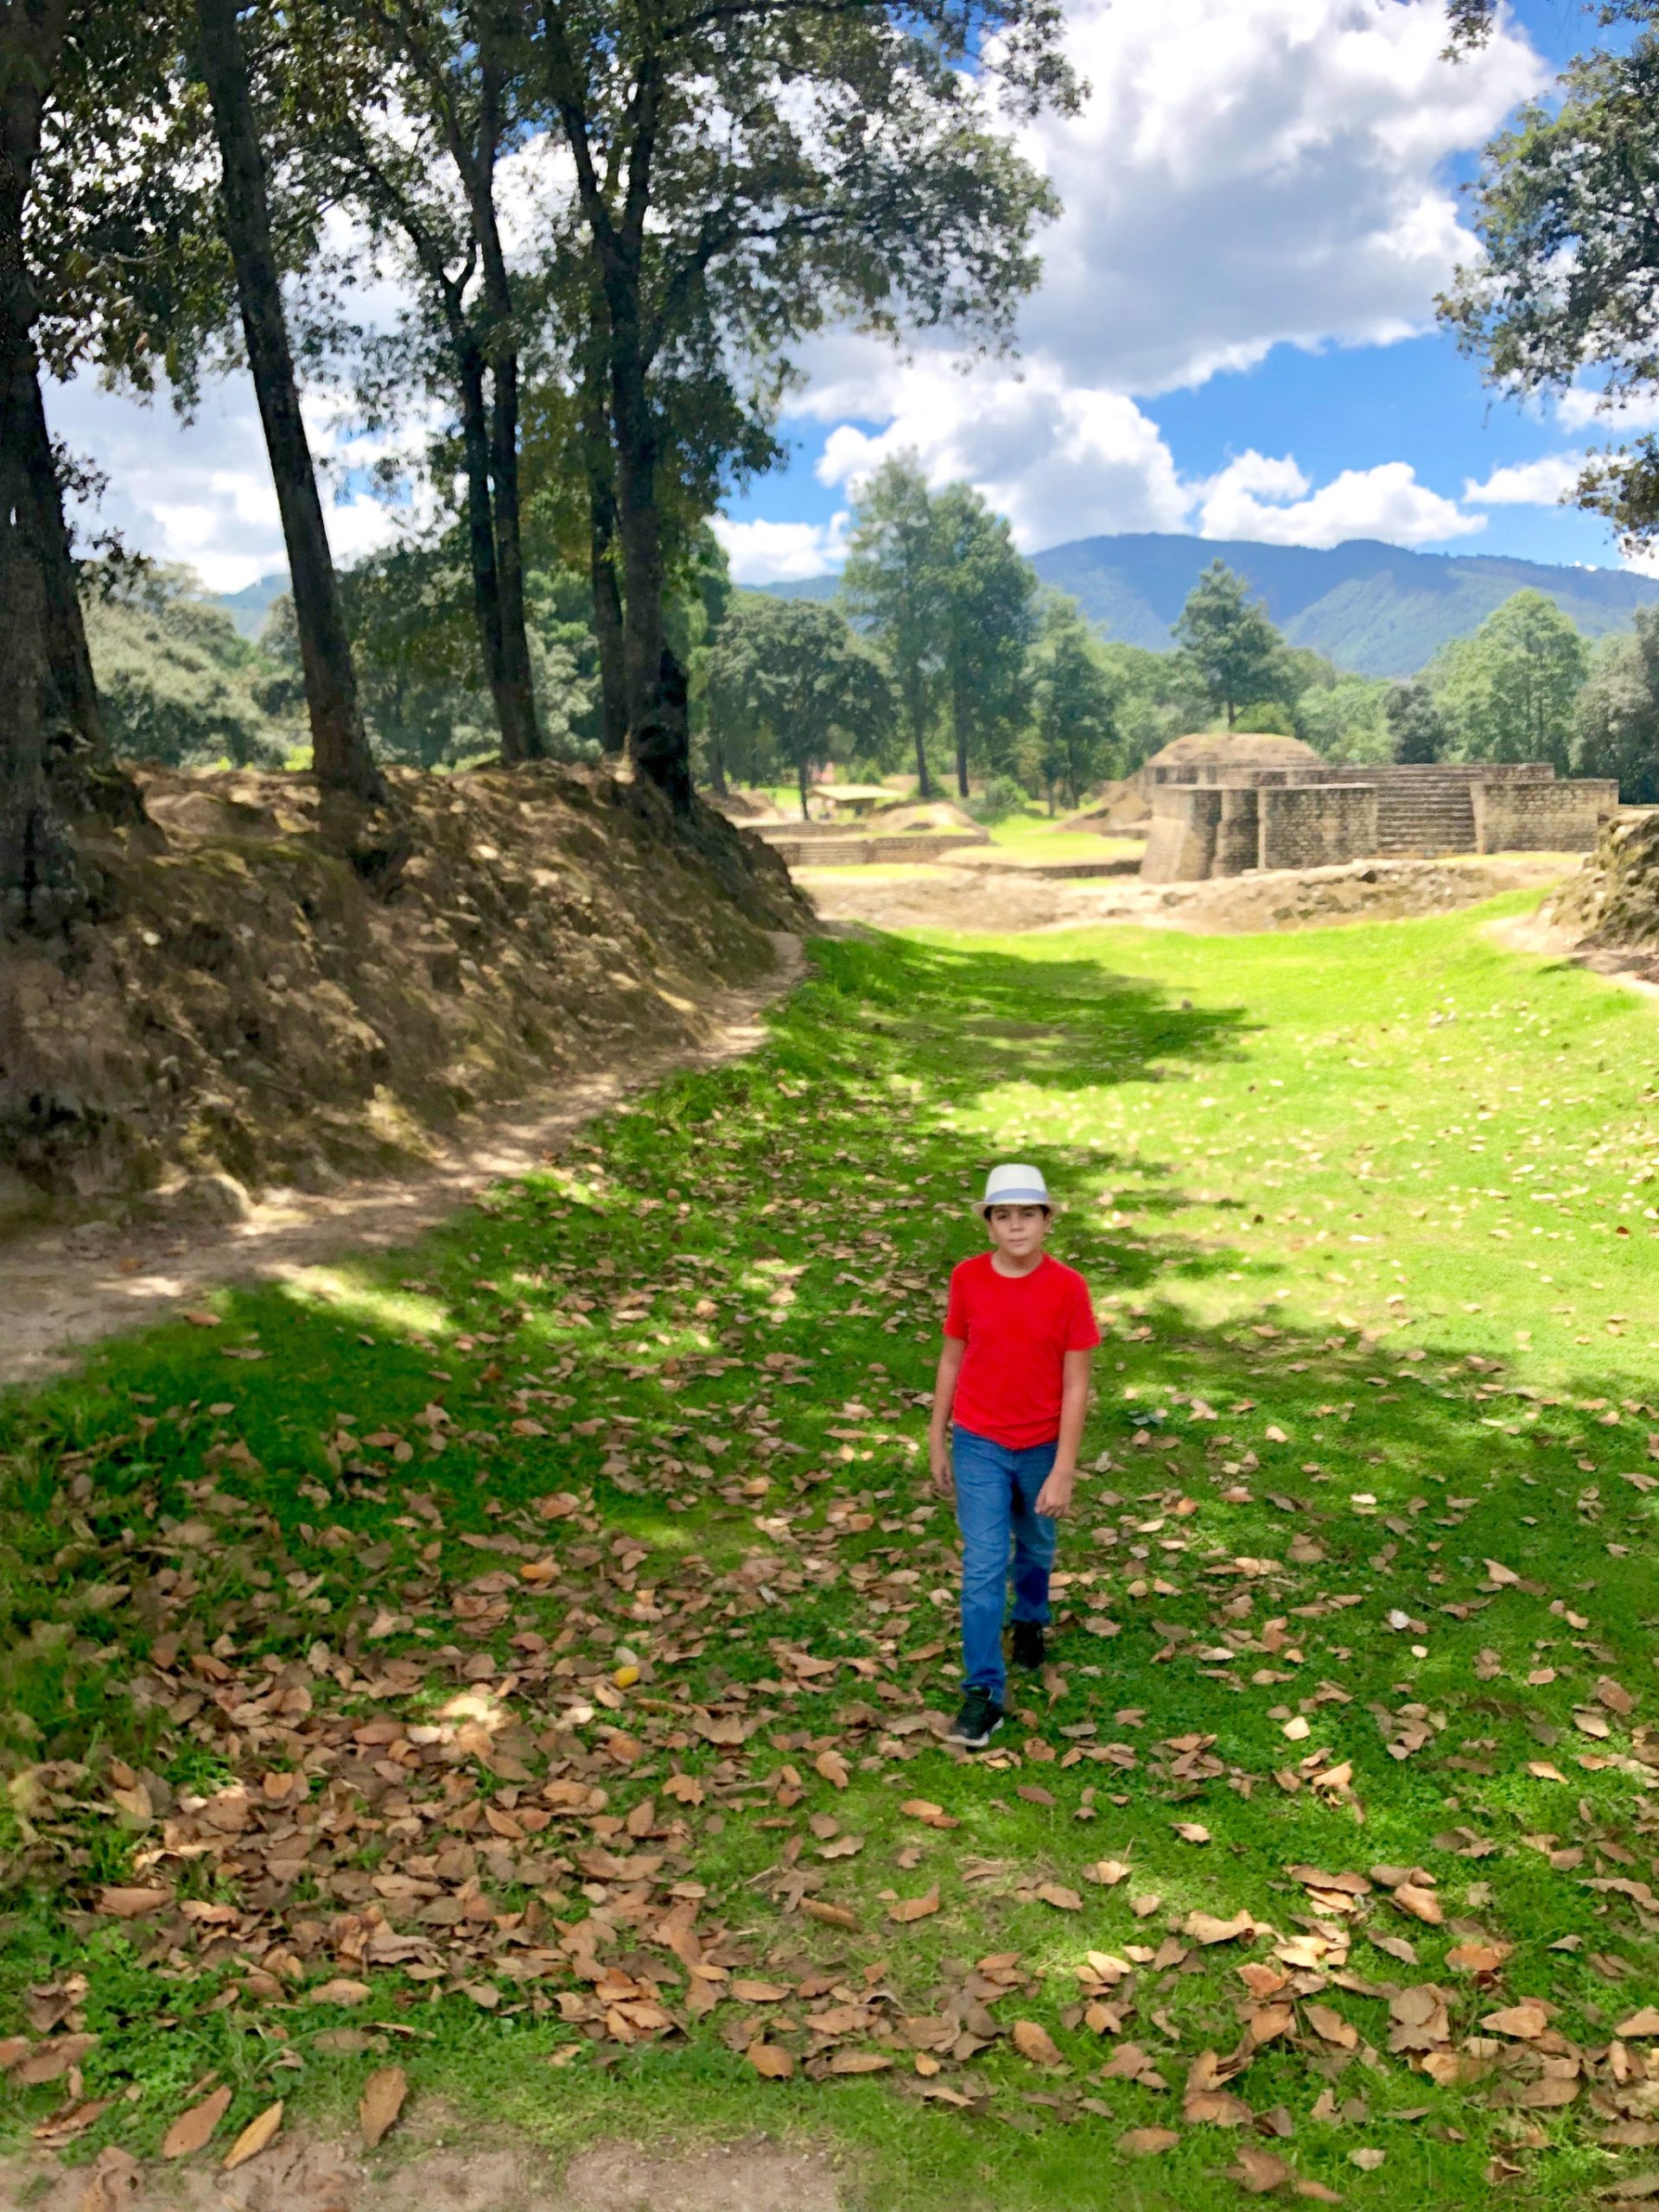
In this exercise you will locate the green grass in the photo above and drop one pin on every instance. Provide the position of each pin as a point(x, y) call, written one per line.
point(1371, 1213)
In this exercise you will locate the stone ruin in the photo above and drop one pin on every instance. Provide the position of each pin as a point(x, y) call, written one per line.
point(1224, 804)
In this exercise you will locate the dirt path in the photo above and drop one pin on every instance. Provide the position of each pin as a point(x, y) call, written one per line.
point(62, 1290)
point(1007, 900)
point(1636, 970)
point(301, 2174)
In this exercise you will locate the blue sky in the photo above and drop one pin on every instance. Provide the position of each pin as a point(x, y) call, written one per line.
point(1315, 387)
point(1233, 334)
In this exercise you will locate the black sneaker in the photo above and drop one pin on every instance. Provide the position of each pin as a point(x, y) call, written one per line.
point(978, 1721)
point(1030, 1648)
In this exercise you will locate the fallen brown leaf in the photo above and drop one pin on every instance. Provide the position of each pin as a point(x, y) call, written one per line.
point(1148, 2142)
point(253, 2139)
point(1258, 2171)
point(772, 2060)
point(1205, 1928)
point(192, 2129)
point(380, 2103)
point(908, 1908)
point(1036, 2044)
point(1526, 2020)
point(132, 1904)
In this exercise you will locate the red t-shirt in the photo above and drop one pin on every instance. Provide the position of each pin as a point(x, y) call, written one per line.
point(1018, 1330)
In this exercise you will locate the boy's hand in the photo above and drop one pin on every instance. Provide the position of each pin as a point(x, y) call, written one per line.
point(1054, 1499)
point(944, 1479)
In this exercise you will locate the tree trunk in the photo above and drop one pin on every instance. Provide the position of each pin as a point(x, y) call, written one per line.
point(959, 719)
point(800, 776)
point(608, 598)
point(717, 768)
point(919, 731)
point(68, 660)
point(340, 752)
point(660, 735)
point(481, 531)
point(49, 707)
point(518, 688)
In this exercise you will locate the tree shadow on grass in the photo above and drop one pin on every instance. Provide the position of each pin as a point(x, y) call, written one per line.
point(1282, 1569)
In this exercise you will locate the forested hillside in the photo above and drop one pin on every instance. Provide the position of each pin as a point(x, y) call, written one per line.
point(1374, 609)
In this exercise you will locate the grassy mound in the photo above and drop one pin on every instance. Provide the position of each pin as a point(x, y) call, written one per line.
point(533, 1652)
point(275, 995)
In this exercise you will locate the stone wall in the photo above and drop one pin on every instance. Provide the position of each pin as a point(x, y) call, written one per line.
point(863, 852)
point(1238, 832)
point(1515, 817)
point(1181, 835)
point(1316, 825)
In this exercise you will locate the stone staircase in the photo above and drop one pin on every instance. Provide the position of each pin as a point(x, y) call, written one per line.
point(1423, 811)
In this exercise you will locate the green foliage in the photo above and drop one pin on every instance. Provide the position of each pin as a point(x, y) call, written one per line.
point(1569, 278)
point(1508, 692)
point(1002, 797)
point(892, 587)
point(179, 685)
point(1341, 717)
point(1618, 713)
point(790, 683)
point(1074, 731)
point(1159, 697)
point(1231, 645)
point(1416, 727)
point(989, 626)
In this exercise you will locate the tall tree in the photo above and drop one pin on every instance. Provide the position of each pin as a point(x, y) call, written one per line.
point(1416, 726)
point(721, 221)
point(340, 748)
point(1510, 692)
point(893, 588)
point(1569, 278)
point(790, 676)
point(52, 750)
point(1073, 720)
point(989, 623)
point(405, 113)
point(1618, 713)
point(1230, 642)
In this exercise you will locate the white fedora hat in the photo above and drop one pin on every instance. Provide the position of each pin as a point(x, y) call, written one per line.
point(1012, 1185)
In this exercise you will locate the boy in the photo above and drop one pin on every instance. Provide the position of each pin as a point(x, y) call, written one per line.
point(1008, 1407)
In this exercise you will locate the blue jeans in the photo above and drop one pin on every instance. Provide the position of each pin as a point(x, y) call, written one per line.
point(997, 1492)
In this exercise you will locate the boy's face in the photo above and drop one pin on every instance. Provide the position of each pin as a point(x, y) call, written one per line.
point(1018, 1232)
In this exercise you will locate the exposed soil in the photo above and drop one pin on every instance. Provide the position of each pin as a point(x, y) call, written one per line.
point(1612, 901)
point(1005, 902)
point(304, 2175)
point(282, 989)
point(60, 1289)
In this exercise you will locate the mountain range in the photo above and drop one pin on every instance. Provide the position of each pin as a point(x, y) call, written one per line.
point(1377, 609)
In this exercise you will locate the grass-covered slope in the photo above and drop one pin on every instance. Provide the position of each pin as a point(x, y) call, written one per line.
point(532, 1651)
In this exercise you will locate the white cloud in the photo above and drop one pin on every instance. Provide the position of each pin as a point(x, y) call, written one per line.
point(1264, 173)
point(781, 552)
point(1268, 173)
point(1058, 462)
point(202, 494)
point(1257, 497)
point(1583, 408)
point(1543, 483)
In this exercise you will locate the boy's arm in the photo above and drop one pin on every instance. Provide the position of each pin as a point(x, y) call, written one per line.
point(938, 1433)
point(1055, 1496)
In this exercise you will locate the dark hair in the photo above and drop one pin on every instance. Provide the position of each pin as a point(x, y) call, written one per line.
point(989, 1205)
